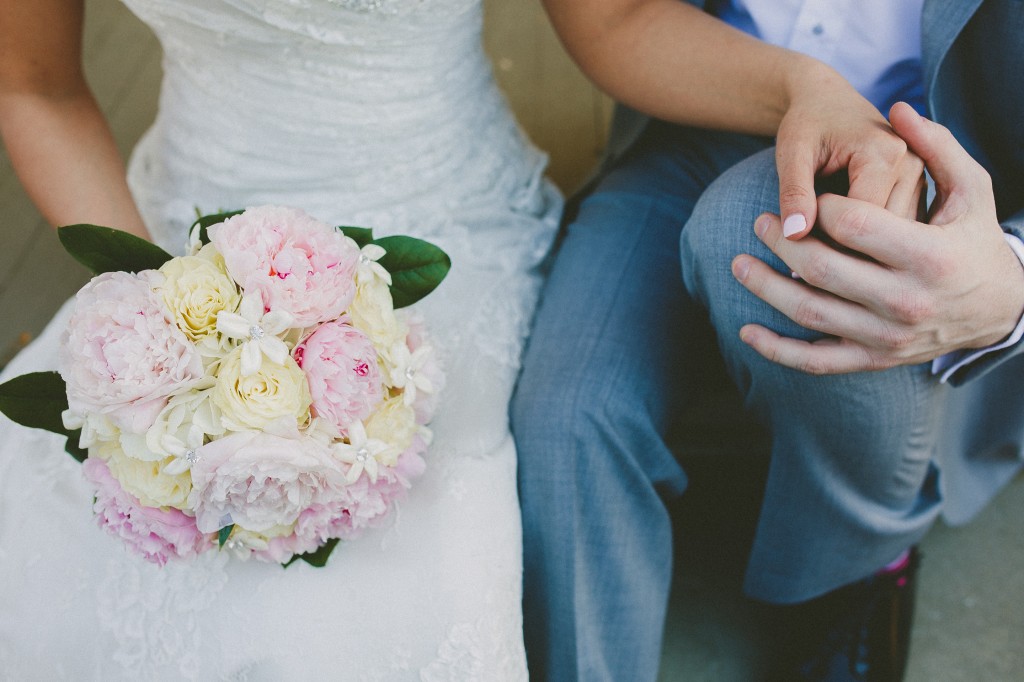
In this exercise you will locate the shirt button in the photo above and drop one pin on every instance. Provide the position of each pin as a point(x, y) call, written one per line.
point(818, 29)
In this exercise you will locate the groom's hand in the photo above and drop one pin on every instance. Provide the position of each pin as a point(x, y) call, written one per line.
point(895, 291)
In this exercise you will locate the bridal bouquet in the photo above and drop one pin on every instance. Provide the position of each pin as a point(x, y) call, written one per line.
point(260, 394)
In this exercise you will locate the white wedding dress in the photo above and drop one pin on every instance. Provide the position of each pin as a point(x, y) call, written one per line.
point(363, 112)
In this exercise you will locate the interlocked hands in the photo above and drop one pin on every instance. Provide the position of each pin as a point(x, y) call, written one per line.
point(891, 290)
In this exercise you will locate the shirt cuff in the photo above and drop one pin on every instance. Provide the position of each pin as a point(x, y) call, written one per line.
point(946, 365)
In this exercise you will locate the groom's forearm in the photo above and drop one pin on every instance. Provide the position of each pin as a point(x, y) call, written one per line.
point(672, 61)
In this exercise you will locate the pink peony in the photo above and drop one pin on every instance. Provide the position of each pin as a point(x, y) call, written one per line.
point(300, 265)
point(122, 355)
point(340, 364)
point(313, 528)
point(154, 534)
point(368, 502)
point(260, 481)
point(410, 463)
point(361, 505)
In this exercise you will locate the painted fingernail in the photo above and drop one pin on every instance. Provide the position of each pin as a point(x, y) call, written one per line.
point(761, 225)
point(794, 224)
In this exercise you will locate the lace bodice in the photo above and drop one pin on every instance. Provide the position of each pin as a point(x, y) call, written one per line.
point(374, 111)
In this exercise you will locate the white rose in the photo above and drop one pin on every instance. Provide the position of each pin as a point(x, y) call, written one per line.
point(254, 401)
point(395, 424)
point(146, 481)
point(195, 289)
point(373, 313)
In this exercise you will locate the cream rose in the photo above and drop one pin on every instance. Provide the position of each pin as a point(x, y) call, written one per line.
point(254, 401)
point(373, 313)
point(146, 481)
point(395, 424)
point(195, 289)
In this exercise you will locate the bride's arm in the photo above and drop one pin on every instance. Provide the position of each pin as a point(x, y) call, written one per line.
point(673, 61)
point(59, 143)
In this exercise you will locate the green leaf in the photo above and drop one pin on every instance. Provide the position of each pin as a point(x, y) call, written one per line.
point(206, 221)
point(37, 400)
point(71, 447)
point(317, 558)
point(416, 267)
point(104, 249)
point(360, 235)
point(223, 534)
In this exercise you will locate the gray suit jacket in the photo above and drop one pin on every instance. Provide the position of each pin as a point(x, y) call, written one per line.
point(973, 53)
point(973, 58)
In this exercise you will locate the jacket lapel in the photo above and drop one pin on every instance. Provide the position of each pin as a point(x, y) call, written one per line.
point(941, 22)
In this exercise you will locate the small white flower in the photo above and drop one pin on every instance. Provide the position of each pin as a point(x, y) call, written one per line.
point(361, 452)
point(406, 374)
point(243, 543)
point(257, 331)
point(369, 268)
point(186, 453)
point(181, 428)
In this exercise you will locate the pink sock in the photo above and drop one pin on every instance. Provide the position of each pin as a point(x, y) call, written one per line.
point(896, 565)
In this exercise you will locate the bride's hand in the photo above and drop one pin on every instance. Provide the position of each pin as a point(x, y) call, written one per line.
point(828, 127)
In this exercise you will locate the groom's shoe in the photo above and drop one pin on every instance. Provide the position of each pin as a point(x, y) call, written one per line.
point(858, 633)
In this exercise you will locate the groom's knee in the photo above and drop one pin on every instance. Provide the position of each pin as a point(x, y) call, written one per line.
point(721, 228)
